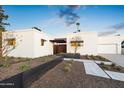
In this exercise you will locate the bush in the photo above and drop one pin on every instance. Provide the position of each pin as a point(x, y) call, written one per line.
point(27, 59)
point(1, 65)
point(87, 56)
point(118, 68)
point(92, 57)
point(6, 65)
point(23, 67)
point(102, 63)
point(113, 64)
point(71, 62)
point(67, 69)
point(6, 58)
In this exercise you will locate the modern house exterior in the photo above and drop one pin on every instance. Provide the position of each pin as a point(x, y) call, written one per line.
point(29, 43)
point(89, 42)
point(111, 44)
point(33, 43)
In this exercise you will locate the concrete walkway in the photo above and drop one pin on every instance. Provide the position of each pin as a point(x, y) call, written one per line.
point(118, 59)
point(92, 68)
point(105, 62)
point(115, 75)
point(78, 60)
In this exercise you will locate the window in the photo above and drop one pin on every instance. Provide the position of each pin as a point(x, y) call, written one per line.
point(42, 42)
point(11, 42)
point(76, 43)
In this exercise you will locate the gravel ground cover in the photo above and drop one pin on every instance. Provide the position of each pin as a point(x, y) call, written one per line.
point(92, 57)
point(9, 70)
point(72, 75)
point(112, 67)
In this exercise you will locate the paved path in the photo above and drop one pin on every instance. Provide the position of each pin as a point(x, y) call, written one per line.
point(118, 59)
point(92, 68)
point(115, 75)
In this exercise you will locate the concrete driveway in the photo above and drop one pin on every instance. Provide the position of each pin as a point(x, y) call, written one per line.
point(115, 58)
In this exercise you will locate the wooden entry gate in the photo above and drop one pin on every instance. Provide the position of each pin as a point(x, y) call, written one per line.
point(59, 48)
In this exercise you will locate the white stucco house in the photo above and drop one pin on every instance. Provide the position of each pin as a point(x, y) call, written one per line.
point(33, 43)
point(29, 43)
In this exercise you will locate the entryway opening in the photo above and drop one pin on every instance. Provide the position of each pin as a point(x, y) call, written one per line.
point(59, 45)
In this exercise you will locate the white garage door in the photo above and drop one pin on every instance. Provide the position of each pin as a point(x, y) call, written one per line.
point(107, 49)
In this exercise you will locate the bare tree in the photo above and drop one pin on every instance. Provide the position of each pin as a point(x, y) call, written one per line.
point(76, 43)
point(3, 17)
point(9, 42)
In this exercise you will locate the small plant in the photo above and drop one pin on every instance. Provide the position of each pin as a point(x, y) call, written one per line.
point(68, 64)
point(27, 59)
point(11, 57)
point(67, 67)
point(1, 65)
point(23, 67)
point(118, 68)
point(71, 62)
point(46, 59)
point(102, 63)
point(6, 65)
point(113, 64)
point(5, 58)
point(87, 56)
point(19, 57)
point(92, 57)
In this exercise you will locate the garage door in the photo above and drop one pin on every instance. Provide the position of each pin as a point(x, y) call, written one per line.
point(107, 49)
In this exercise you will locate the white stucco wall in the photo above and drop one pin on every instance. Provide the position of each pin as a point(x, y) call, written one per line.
point(89, 46)
point(24, 44)
point(110, 44)
point(28, 43)
point(39, 50)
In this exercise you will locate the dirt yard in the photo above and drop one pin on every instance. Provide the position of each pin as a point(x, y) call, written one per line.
point(9, 69)
point(72, 75)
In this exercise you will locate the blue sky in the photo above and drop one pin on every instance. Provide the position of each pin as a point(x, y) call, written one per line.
point(47, 18)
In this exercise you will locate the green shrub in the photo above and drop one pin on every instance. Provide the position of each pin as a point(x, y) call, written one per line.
point(67, 69)
point(1, 65)
point(23, 67)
